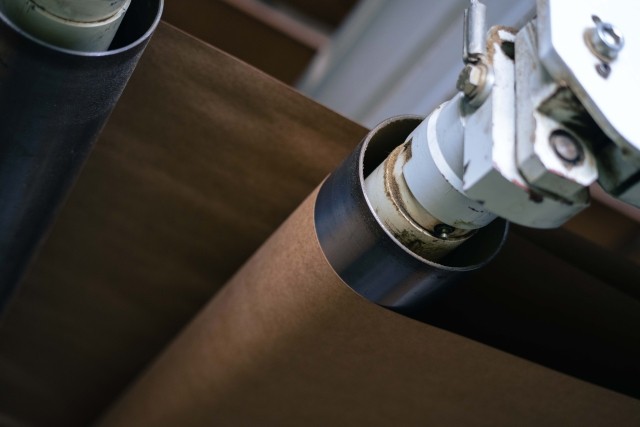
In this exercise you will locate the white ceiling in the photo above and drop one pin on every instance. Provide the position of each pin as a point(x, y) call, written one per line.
point(394, 57)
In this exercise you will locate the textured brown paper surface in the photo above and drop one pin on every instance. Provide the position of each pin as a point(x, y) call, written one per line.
point(202, 159)
point(285, 343)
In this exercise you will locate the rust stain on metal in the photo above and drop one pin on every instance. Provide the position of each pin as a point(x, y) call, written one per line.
point(494, 39)
point(408, 151)
point(417, 245)
point(417, 238)
point(392, 189)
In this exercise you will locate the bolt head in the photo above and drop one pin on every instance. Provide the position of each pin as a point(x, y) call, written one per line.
point(476, 76)
point(566, 147)
point(463, 84)
point(471, 80)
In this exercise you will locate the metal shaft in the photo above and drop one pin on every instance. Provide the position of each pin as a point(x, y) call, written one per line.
point(82, 10)
point(474, 32)
point(83, 25)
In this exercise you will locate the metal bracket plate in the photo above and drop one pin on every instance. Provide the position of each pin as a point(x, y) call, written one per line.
point(563, 28)
point(491, 173)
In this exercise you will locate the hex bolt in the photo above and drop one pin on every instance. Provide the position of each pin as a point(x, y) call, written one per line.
point(469, 80)
point(605, 40)
point(475, 82)
point(566, 147)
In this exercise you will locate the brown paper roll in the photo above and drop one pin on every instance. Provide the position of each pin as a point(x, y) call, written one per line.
point(202, 159)
point(287, 343)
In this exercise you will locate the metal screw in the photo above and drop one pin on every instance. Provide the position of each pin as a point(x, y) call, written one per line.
point(605, 41)
point(443, 231)
point(566, 147)
point(603, 69)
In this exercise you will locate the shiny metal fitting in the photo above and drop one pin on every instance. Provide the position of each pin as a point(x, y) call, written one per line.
point(605, 40)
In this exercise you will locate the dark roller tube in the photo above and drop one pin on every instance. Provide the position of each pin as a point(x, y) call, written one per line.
point(53, 105)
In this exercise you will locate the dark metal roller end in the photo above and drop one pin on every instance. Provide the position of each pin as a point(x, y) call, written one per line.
point(365, 255)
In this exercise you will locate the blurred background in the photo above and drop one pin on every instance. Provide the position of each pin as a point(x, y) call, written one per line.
point(367, 59)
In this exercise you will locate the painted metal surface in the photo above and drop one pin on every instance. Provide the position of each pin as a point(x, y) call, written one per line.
point(434, 173)
point(544, 109)
point(491, 173)
point(564, 52)
point(602, 75)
